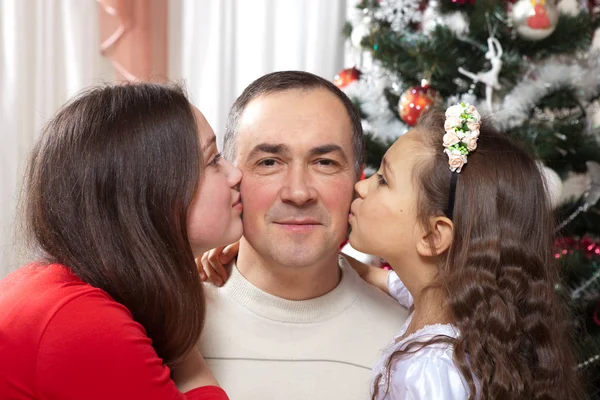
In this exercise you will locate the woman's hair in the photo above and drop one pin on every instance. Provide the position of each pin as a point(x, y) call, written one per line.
point(499, 274)
point(107, 192)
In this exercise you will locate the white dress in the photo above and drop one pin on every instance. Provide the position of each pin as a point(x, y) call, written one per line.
point(429, 373)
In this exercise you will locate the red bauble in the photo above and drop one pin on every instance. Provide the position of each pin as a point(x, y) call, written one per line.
point(416, 100)
point(346, 77)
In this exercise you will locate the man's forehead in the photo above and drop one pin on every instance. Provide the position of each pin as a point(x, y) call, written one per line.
point(292, 142)
point(298, 119)
point(289, 142)
point(295, 107)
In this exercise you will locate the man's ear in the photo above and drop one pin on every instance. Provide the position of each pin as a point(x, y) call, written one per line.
point(438, 240)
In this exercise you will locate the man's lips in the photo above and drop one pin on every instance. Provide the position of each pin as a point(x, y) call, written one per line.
point(299, 226)
point(299, 222)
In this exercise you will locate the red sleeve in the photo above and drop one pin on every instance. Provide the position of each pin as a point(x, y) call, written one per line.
point(92, 349)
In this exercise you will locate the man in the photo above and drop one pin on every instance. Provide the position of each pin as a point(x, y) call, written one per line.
point(294, 321)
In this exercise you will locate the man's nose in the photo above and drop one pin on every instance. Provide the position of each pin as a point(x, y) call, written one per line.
point(298, 187)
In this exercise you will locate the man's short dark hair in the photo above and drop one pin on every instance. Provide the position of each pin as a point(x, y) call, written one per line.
point(288, 80)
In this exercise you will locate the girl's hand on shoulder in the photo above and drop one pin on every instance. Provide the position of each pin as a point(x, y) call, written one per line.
point(372, 275)
point(213, 266)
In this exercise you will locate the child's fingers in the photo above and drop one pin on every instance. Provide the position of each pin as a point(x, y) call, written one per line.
point(208, 269)
point(213, 276)
point(200, 268)
point(216, 265)
point(229, 253)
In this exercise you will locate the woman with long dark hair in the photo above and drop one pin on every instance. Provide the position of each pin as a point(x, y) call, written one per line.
point(124, 189)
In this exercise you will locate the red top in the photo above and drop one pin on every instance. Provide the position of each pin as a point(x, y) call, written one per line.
point(61, 338)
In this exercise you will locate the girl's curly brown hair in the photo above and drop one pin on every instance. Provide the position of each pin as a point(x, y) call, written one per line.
point(499, 274)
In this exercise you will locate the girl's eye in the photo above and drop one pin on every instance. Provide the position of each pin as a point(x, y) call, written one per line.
point(381, 180)
point(215, 160)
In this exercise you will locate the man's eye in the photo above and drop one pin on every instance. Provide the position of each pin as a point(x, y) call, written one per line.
point(326, 162)
point(269, 162)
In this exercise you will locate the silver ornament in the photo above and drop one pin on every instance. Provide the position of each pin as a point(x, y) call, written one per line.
point(534, 19)
point(554, 185)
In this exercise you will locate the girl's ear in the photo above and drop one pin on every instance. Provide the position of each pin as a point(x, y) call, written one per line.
point(438, 240)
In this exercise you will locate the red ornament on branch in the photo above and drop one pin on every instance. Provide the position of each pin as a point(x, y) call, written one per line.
point(415, 100)
point(346, 77)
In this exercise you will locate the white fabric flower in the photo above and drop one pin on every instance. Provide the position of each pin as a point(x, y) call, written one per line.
point(473, 111)
point(456, 160)
point(471, 141)
point(452, 122)
point(473, 126)
point(450, 138)
point(454, 111)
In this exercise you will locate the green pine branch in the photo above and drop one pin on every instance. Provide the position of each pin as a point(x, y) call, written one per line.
point(561, 141)
point(589, 288)
point(589, 354)
point(585, 223)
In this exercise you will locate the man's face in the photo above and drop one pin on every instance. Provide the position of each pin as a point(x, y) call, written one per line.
point(295, 151)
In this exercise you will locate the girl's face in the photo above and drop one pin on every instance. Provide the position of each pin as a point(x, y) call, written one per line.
point(214, 217)
point(384, 215)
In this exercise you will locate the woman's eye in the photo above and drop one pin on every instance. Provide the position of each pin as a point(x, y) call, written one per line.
point(215, 160)
point(381, 180)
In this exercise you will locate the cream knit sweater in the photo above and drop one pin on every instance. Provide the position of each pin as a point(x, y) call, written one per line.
point(262, 347)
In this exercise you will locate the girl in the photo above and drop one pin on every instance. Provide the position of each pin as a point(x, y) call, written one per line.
point(460, 212)
point(125, 187)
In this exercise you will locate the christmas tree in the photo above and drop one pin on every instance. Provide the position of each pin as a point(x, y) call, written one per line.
point(532, 67)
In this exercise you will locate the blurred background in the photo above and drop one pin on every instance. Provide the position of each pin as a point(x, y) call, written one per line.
point(532, 67)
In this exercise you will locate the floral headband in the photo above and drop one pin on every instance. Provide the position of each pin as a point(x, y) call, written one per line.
point(462, 131)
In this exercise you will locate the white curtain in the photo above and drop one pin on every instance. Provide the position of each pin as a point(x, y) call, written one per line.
point(217, 47)
point(48, 52)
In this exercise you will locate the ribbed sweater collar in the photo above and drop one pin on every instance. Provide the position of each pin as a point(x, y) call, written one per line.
point(276, 308)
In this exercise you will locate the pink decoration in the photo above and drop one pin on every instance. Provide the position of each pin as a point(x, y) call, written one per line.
point(133, 36)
